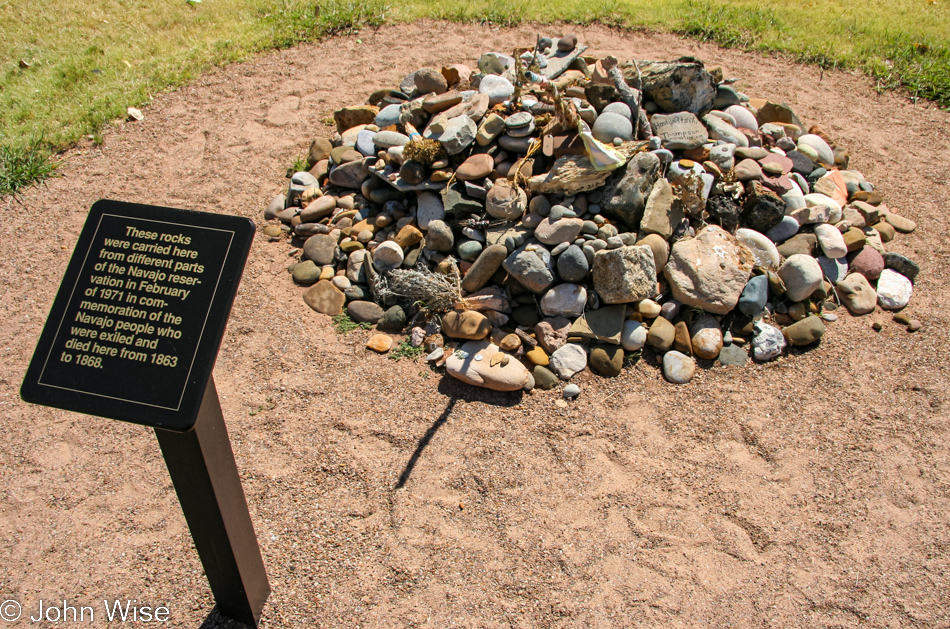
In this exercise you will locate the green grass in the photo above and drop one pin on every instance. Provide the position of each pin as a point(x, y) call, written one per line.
point(406, 350)
point(88, 62)
point(22, 165)
point(343, 323)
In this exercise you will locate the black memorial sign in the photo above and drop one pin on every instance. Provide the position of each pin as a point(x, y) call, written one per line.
point(136, 325)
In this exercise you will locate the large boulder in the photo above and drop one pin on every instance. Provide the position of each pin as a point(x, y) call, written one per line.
point(709, 271)
point(681, 85)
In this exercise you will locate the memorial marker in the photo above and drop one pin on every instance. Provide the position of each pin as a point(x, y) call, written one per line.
point(133, 335)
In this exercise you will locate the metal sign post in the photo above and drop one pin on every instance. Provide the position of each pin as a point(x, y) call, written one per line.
point(133, 335)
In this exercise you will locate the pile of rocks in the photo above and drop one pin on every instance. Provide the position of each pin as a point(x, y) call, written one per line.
point(728, 224)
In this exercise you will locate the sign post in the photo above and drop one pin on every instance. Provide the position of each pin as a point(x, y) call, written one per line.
point(133, 335)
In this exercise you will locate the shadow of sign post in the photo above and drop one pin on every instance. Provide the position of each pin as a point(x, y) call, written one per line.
point(133, 335)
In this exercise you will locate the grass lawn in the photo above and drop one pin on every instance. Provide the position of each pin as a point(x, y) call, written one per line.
point(69, 67)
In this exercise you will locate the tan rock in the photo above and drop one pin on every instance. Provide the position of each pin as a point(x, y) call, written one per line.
point(466, 324)
point(472, 363)
point(325, 298)
point(709, 271)
point(381, 343)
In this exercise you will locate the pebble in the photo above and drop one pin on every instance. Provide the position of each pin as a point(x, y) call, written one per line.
point(381, 343)
point(678, 368)
point(893, 290)
point(571, 391)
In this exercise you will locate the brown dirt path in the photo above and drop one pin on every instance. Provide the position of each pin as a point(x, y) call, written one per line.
point(809, 492)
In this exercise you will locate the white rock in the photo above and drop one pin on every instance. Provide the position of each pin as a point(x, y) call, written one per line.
point(633, 336)
point(831, 241)
point(768, 342)
point(498, 88)
point(429, 207)
point(566, 300)
point(472, 363)
point(825, 154)
point(764, 250)
point(387, 256)
point(678, 367)
point(354, 266)
point(568, 360)
point(827, 208)
point(893, 290)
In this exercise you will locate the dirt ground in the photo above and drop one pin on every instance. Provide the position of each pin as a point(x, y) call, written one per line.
point(813, 491)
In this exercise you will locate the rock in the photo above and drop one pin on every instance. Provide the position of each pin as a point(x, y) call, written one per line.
point(624, 274)
point(626, 192)
point(902, 264)
point(767, 343)
point(497, 88)
point(661, 334)
point(469, 250)
point(833, 270)
point(719, 129)
point(572, 265)
point(805, 332)
point(679, 131)
point(634, 336)
point(901, 223)
point(606, 359)
point(544, 379)
point(567, 43)
point(564, 299)
point(538, 356)
point(678, 368)
point(350, 117)
point(471, 363)
point(321, 248)
point(600, 324)
point(649, 309)
point(831, 241)
point(466, 324)
point(387, 256)
point(429, 208)
point(825, 155)
point(803, 244)
point(319, 149)
point(325, 298)
point(430, 80)
point(724, 212)
point(571, 391)
point(762, 209)
point(854, 238)
point(530, 269)
point(856, 294)
point(706, 337)
point(485, 266)
point(748, 170)
point(743, 117)
point(709, 271)
point(552, 333)
point(893, 290)
point(868, 262)
point(475, 167)
point(553, 232)
point(306, 273)
point(763, 249)
point(681, 340)
point(393, 320)
point(440, 237)
point(506, 201)
point(783, 230)
point(801, 275)
point(407, 237)
point(659, 215)
point(456, 134)
point(381, 343)
point(675, 86)
point(660, 249)
point(568, 360)
point(609, 126)
point(364, 311)
point(733, 355)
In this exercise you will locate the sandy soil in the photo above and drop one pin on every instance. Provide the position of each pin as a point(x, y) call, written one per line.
point(810, 492)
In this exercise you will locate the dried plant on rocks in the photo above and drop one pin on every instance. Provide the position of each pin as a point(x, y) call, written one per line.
point(424, 150)
point(434, 292)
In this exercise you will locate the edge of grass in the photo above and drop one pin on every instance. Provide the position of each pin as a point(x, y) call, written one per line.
point(917, 65)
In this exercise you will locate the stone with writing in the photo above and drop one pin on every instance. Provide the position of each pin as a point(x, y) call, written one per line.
point(679, 131)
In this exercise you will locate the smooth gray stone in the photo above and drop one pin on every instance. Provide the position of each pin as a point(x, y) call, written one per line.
point(754, 296)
